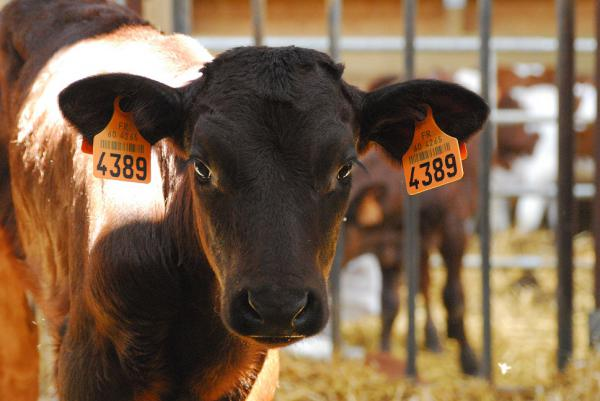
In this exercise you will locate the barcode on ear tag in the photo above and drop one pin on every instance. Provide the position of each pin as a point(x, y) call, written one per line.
point(433, 159)
point(120, 152)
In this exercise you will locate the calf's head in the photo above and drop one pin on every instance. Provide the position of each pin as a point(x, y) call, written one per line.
point(271, 136)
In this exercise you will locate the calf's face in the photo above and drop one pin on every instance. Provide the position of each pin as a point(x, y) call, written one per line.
point(271, 136)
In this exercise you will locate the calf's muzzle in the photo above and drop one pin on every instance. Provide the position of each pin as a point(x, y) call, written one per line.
point(276, 315)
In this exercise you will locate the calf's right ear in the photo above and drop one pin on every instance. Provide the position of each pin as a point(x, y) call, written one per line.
point(157, 108)
point(387, 116)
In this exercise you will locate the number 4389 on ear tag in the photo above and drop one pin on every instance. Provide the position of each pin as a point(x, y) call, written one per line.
point(433, 159)
point(120, 151)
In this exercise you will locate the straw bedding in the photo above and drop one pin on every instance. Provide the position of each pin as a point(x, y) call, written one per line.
point(524, 329)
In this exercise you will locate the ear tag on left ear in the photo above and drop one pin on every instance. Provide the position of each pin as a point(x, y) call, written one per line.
point(433, 159)
point(120, 152)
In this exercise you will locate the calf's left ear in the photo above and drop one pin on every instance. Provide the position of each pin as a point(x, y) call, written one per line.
point(388, 115)
point(157, 108)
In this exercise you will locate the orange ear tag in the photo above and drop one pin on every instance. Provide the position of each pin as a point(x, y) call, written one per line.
point(433, 159)
point(120, 152)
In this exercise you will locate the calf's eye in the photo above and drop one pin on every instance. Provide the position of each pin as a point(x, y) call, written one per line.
point(203, 173)
point(345, 171)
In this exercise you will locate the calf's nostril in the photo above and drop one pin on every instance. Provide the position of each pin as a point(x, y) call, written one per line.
point(300, 315)
point(252, 310)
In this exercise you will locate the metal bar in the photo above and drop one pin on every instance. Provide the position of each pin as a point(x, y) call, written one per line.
point(437, 44)
point(182, 16)
point(516, 116)
point(258, 18)
point(411, 209)
point(564, 230)
point(334, 17)
point(594, 318)
point(485, 13)
point(597, 175)
point(524, 262)
point(508, 190)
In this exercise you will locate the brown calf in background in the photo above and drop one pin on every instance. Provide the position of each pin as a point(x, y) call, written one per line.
point(375, 225)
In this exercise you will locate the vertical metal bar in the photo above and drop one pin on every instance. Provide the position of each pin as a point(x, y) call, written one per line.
point(597, 157)
point(334, 19)
point(485, 23)
point(258, 18)
point(409, 37)
point(182, 16)
point(594, 318)
point(564, 229)
point(411, 208)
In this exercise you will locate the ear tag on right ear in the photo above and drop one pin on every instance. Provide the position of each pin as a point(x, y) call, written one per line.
point(120, 151)
point(433, 159)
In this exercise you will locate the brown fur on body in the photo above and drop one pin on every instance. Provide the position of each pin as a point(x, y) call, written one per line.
point(443, 212)
point(18, 336)
point(36, 63)
point(375, 224)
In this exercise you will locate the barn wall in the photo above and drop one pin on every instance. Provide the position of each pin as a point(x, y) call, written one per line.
point(384, 17)
point(159, 12)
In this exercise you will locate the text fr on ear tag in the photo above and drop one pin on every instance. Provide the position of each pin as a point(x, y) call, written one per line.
point(433, 159)
point(120, 152)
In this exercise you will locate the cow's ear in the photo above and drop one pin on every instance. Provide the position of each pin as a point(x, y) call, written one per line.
point(387, 116)
point(157, 108)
